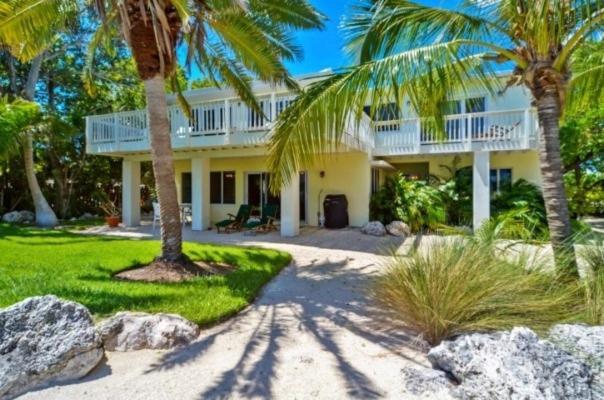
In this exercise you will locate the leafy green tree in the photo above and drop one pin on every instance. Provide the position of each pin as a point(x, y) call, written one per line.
point(582, 142)
point(423, 54)
point(228, 40)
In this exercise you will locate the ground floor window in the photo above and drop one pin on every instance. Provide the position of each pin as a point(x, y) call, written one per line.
point(222, 187)
point(185, 187)
point(500, 179)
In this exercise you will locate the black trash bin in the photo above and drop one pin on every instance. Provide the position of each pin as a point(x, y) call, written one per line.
point(335, 209)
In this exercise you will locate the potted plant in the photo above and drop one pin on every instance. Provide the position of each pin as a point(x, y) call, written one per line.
point(112, 212)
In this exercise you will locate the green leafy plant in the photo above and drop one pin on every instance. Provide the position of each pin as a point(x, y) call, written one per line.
point(456, 193)
point(519, 209)
point(464, 285)
point(414, 202)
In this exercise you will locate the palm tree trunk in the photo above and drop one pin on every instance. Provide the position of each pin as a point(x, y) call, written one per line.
point(556, 204)
point(163, 168)
point(45, 216)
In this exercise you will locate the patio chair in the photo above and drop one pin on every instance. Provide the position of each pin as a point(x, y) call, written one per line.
point(155, 213)
point(266, 222)
point(235, 222)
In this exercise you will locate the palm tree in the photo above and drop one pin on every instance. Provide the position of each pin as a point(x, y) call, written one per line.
point(230, 41)
point(423, 54)
point(45, 216)
point(18, 120)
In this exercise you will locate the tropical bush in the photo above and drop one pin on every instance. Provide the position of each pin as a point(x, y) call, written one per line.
point(414, 202)
point(464, 285)
point(456, 192)
point(519, 209)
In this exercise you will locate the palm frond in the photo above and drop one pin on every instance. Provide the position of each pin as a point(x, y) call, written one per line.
point(587, 82)
point(34, 20)
point(15, 117)
point(314, 124)
point(248, 43)
point(290, 13)
point(379, 28)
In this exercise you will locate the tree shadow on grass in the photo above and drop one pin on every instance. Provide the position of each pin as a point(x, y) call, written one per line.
point(323, 300)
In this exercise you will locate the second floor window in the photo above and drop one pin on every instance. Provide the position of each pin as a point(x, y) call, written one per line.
point(222, 187)
point(384, 112)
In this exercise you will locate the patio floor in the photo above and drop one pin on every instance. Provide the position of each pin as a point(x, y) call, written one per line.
point(312, 333)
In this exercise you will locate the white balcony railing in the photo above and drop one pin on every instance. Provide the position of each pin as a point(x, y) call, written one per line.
point(232, 123)
point(493, 130)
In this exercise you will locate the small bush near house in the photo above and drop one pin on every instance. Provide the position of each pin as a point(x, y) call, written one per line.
point(461, 286)
point(414, 202)
point(520, 209)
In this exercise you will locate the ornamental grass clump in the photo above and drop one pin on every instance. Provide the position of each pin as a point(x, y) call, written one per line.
point(461, 286)
point(593, 284)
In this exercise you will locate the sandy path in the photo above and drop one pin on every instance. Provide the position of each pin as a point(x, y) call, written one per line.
point(313, 333)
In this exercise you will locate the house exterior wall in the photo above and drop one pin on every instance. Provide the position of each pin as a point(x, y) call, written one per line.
point(344, 173)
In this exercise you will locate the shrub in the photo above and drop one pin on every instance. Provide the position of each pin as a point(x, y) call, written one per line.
point(414, 202)
point(463, 286)
point(456, 193)
point(520, 209)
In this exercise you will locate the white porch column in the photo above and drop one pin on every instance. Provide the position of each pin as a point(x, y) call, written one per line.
point(200, 193)
point(481, 208)
point(290, 207)
point(131, 192)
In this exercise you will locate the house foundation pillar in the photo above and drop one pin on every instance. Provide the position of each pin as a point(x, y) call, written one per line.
point(131, 192)
point(481, 207)
point(290, 207)
point(200, 194)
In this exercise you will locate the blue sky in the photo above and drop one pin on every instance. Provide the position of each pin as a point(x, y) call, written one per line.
point(323, 49)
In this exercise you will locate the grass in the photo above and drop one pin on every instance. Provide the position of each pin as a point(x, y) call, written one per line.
point(80, 268)
point(464, 286)
point(593, 256)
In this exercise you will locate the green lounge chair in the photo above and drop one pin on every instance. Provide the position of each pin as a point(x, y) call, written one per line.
point(235, 222)
point(266, 223)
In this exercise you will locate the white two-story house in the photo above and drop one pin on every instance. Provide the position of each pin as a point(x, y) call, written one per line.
point(220, 153)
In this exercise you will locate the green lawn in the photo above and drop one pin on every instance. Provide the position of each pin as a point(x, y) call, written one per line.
point(80, 268)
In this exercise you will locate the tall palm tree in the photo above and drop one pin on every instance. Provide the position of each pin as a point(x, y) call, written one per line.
point(230, 41)
point(423, 54)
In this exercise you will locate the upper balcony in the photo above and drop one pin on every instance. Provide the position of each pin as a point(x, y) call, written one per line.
point(482, 131)
point(229, 123)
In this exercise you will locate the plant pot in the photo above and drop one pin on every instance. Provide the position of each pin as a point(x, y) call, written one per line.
point(112, 221)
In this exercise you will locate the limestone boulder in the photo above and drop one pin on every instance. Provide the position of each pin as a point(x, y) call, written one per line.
point(512, 365)
point(27, 216)
point(426, 382)
point(86, 216)
point(587, 344)
point(127, 331)
point(13, 217)
point(398, 228)
point(45, 340)
point(374, 228)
